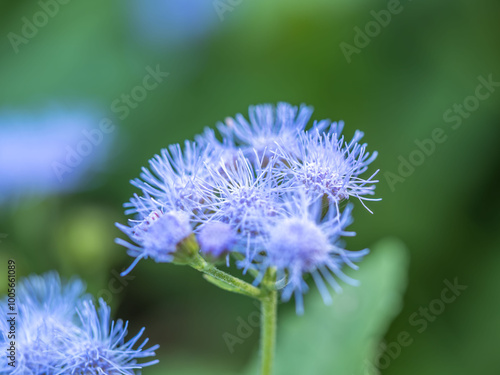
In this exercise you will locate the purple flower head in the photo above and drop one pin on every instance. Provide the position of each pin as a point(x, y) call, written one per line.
point(269, 126)
point(48, 293)
point(45, 308)
point(244, 195)
point(326, 165)
point(303, 241)
point(223, 152)
point(216, 239)
point(175, 178)
point(101, 347)
point(42, 337)
point(257, 191)
point(157, 236)
point(54, 336)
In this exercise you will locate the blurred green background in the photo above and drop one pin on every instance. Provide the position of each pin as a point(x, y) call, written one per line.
point(397, 89)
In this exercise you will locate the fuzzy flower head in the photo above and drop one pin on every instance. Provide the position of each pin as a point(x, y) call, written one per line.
point(268, 127)
point(241, 194)
point(255, 190)
point(157, 236)
point(49, 294)
point(326, 165)
point(216, 239)
point(174, 180)
point(102, 348)
point(45, 311)
point(54, 336)
point(304, 241)
point(223, 153)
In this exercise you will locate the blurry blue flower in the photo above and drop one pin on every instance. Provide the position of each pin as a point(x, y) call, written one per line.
point(216, 239)
point(55, 327)
point(174, 21)
point(47, 153)
point(101, 347)
point(307, 241)
point(46, 309)
point(48, 293)
point(157, 236)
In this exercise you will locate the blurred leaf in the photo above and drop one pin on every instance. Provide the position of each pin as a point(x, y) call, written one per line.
point(77, 55)
point(83, 240)
point(343, 338)
point(182, 364)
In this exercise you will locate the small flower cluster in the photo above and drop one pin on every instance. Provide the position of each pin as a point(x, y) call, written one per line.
point(59, 330)
point(269, 189)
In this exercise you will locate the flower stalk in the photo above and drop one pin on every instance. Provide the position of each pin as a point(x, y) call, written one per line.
point(224, 280)
point(269, 314)
point(266, 191)
point(266, 294)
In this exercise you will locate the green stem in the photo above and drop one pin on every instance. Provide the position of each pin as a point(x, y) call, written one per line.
point(267, 294)
point(225, 280)
point(269, 310)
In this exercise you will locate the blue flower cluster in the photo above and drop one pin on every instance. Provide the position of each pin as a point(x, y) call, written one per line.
point(48, 152)
point(59, 330)
point(269, 188)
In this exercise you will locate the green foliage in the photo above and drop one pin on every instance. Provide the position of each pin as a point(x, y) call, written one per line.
point(185, 366)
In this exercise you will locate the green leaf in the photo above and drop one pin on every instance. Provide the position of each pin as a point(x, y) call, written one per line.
point(343, 338)
point(186, 364)
point(77, 55)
